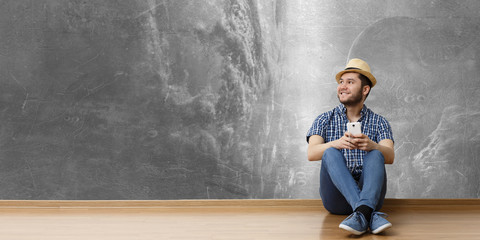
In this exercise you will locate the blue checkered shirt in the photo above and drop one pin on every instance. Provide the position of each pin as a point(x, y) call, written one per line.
point(332, 125)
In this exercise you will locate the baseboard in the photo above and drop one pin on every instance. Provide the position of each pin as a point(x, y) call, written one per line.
point(433, 201)
point(310, 203)
point(160, 203)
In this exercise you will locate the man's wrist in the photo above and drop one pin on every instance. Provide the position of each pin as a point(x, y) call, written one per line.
point(331, 144)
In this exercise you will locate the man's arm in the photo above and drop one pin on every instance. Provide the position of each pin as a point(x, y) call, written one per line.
point(317, 146)
point(385, 146)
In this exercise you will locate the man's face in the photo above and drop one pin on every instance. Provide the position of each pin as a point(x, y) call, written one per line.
point(349, 90)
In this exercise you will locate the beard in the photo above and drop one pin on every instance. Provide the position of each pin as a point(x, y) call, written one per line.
point(355, 99)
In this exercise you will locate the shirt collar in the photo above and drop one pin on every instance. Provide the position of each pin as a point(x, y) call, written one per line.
point(343, 110)
point(363, 112)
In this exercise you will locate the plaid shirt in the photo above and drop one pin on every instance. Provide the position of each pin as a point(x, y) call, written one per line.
point(332, 125)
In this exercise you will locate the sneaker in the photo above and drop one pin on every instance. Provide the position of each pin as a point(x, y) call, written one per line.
point(355, 223)
point(378, 223)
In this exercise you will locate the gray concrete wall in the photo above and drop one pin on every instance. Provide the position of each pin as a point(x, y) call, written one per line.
point(212, 99)
point(425, 57)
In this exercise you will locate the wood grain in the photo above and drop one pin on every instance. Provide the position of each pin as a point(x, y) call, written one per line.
point(228, 219)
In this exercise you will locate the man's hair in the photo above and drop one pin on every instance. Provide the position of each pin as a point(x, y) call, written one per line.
point(365, 82)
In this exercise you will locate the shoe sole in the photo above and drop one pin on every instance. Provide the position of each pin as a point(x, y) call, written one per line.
point(382, 228)
point(345, 227)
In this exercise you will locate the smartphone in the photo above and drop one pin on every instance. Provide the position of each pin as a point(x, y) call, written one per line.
point(354, 127)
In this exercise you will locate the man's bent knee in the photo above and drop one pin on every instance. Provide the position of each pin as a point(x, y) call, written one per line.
point(331, 155)
point(331, 152)
point(375, 154)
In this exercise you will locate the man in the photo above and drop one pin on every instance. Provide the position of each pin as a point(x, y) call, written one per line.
point(352, 176)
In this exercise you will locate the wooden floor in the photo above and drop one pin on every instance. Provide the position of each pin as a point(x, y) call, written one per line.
point(242, 219)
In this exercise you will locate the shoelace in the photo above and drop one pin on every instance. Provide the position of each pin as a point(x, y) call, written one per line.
point(359, 215)
point(380, 214)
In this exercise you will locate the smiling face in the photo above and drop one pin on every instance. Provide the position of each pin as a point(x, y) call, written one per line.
point(349, 89)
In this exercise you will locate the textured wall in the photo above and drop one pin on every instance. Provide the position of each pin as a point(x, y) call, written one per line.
point(425, 55)
point(138, 99)
point(165, 99)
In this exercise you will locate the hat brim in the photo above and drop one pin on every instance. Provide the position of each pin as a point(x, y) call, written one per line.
point(365, 73)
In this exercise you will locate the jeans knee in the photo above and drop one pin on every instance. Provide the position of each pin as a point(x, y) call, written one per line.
point(375, 155)
point(329, 152)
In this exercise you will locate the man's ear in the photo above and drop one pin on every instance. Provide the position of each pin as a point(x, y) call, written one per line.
point(366, 90)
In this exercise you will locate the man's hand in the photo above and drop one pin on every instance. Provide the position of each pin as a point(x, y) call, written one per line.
point(347, 141)
point(363, 142)
point(357, 141)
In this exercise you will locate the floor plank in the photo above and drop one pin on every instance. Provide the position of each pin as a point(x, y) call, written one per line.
point(410, 221)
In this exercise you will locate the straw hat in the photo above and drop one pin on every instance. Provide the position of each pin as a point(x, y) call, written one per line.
point(358, 66)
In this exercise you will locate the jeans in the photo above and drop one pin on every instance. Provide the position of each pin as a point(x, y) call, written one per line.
point(341, 193)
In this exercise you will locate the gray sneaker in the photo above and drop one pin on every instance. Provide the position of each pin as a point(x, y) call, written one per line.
point(355, 223)
point(378, 223)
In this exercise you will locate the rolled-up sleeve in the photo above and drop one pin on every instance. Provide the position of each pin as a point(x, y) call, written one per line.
point(318, 127)
point(384, 130)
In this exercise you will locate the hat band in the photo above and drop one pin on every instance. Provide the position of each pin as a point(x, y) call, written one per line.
point(352, 68)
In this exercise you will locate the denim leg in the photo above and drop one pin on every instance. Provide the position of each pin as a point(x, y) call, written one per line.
point(373, 181)
point(332, 199)
point(334, 170)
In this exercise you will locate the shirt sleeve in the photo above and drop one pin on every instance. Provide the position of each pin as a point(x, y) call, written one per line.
point(384, 130)
point(318, 127)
